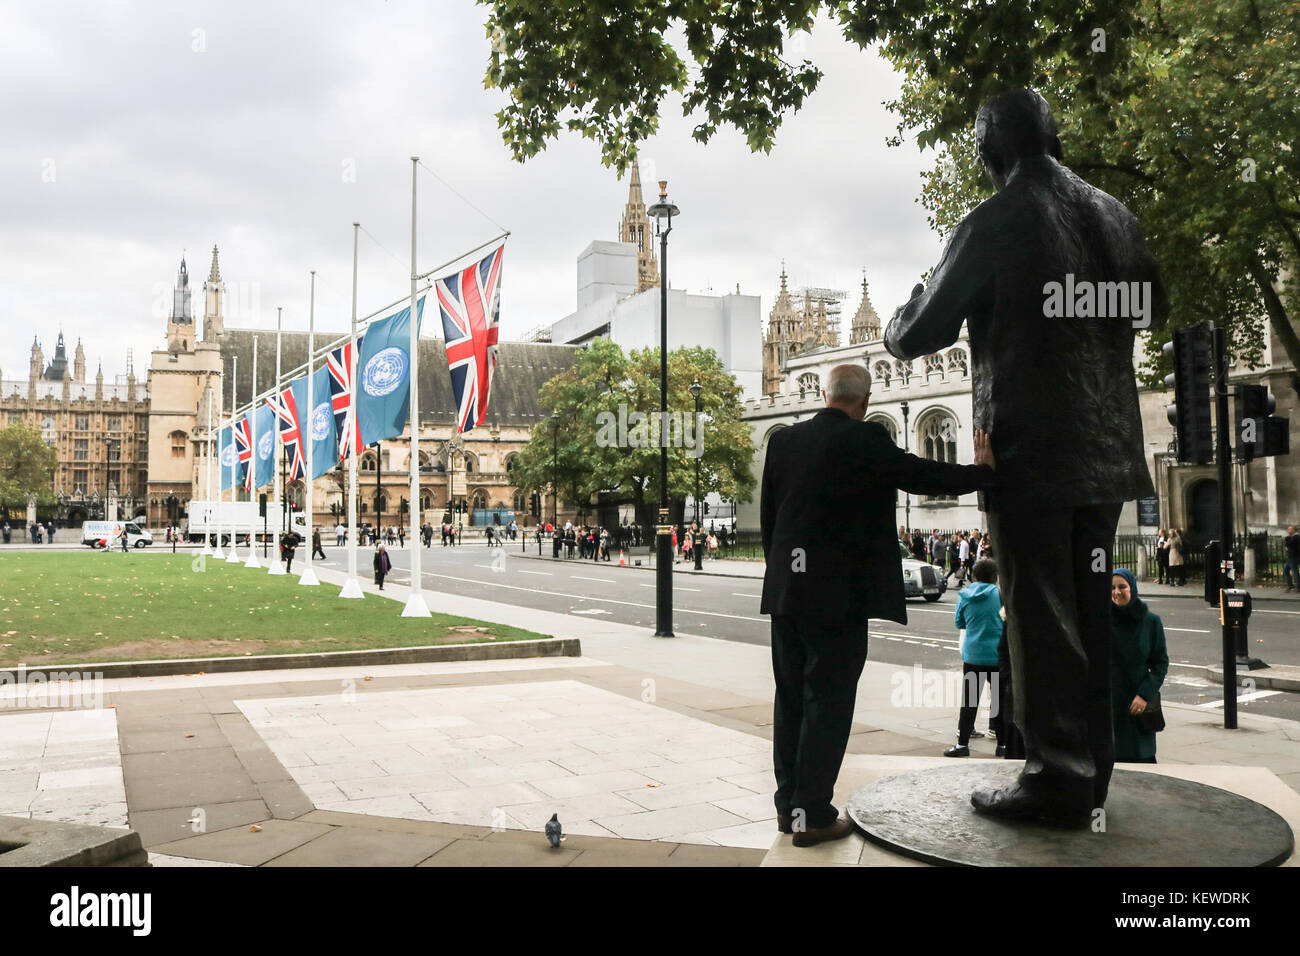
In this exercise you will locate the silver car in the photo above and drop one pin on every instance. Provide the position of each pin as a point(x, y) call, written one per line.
point(920, 578)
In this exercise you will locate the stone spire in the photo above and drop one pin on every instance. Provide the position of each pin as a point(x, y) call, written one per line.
point(866, 323)
point(59, 364)
point(37, 366)
point(214, 294)
point(635, 228)
point(784, 337)
point(79, 363)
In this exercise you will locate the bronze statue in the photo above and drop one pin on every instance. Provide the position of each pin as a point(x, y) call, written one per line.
point(1052, 277)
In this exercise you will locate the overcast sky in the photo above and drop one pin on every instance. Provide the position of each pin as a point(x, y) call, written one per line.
point(136, 131)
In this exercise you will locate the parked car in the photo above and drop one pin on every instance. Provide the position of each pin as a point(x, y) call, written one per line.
point(920, 578)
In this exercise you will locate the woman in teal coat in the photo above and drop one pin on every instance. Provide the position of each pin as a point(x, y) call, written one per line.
point(1139, 661)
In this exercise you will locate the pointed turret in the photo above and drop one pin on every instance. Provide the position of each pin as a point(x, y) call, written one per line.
point(37, 365)
point(635, 228)
point(79, 363)
point(214, 294)
point(866, 323)
point(180, 326)
point(784, 338)
point(58, 367)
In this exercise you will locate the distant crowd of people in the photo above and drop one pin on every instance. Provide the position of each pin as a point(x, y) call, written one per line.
point(957, 553)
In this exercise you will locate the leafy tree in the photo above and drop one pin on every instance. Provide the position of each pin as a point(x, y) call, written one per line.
point(26, 467)
point(1185, 110)
point(585, 451)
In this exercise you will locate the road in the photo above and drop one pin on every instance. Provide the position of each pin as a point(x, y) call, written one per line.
point(727, 608)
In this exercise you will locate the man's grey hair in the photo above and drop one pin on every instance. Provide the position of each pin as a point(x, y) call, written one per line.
point(848, 384)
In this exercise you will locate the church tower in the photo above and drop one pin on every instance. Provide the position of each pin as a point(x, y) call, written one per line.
point(79, 363)
point(58, 369)
point(635, 228)
point(866, 323)
point(180, 326)
point(37, 365)
point(214, 294)
point(785, 335)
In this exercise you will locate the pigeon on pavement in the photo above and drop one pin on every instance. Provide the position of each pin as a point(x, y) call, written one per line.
point(553, 829)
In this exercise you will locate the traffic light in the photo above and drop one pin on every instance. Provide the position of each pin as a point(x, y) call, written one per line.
point(706, 507)
point(1259, 433)
point(1190, 412)
point(261, 505)
point(403, 506)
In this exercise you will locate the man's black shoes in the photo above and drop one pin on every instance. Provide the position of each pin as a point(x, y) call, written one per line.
point(957, 750)
point(836, 831)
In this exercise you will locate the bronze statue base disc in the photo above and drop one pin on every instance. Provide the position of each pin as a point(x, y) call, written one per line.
point(1149, 820)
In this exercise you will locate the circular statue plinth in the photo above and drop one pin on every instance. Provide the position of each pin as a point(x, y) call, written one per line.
point(1150, 820)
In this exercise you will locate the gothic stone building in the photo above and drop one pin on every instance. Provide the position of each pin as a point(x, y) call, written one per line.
point(98, 431)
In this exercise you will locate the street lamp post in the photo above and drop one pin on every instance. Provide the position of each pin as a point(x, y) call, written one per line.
point(555, 468)
point(696, 390)
point(907, 499)
point(662, 212)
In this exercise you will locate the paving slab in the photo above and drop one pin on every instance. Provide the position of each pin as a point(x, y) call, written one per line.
point(361, 846)
point(246, 846)
point(484, 853)
point(179, 823)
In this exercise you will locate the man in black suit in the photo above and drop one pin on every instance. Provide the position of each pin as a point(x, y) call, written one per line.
point(1053, 385)
point(834, 470)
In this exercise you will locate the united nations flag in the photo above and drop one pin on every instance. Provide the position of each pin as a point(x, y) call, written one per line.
point(384, 376)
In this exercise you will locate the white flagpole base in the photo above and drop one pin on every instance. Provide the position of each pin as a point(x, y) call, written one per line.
point(232, 557)
point(309, 578)
point(276, 568)
point(415, 607)
point(352, 589)
point(218, 553)
point(207, 548)
point(252, 561)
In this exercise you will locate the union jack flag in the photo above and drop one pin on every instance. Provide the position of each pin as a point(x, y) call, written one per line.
point(244, 450)
point(470, 303)
point(286, 410)
point(340, 363)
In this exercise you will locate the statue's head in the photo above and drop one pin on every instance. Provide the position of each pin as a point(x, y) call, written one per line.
point(1012, 125)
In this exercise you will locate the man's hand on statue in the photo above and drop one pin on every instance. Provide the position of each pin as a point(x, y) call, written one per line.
point(983, 449)
point(1137, 707)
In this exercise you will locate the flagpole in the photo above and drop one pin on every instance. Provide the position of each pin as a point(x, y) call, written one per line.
point(252, 561)
point(233, 556)
point(352, 587)
point(216, 519)
point(207, 478)
point(415, 604)
point(304, 435)
point(276, 566)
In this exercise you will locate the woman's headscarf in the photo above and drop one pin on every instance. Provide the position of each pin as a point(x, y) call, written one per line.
point(1135, 608)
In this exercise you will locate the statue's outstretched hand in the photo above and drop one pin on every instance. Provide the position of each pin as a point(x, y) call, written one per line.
point(983, 449)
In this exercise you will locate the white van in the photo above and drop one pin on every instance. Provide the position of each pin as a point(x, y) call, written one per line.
point(97, 533)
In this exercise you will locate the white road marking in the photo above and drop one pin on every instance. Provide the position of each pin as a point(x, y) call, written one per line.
point(593, 610)
point(1257, 695)
point(1260, 610)
point(587, 597)
point(738, 594)
point(520, 570)
point(1189, 630)
point(676, 587)
point(579, 577)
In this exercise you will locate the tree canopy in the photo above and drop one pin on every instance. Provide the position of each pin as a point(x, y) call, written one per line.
point(602, 441)
point(1185, 110)
point(26, 466)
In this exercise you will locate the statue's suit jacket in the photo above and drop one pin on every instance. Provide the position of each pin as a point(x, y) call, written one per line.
point(828, 497)
point(1057, 395)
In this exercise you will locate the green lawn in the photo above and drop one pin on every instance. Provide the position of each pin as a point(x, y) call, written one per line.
point(91, 606)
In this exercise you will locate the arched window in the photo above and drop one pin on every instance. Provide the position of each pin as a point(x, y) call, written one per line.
point(368, 461)
point(426, 462)
point(479, 500)
point(810, 381)
point(425, 500)
point(903, 368)
point(889, 425)
point(520, 503)
point(933, 363)
point(937, 441)
point(471, 463)
point(882, 374)
point(957, 361)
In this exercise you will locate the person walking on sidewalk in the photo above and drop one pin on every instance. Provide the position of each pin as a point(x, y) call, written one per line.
point(979, 609)
point(1139, 663)
point(1176, 565)
point(1290, 570)
point(315, 543)
point(834, 470)
point(289, 542)
point(383, 564)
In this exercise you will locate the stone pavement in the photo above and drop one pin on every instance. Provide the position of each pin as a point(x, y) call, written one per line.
point(652, 751)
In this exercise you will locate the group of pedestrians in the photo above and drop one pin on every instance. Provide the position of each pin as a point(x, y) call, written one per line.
point(956, 553)
point(40, 532)
point(1171, 558)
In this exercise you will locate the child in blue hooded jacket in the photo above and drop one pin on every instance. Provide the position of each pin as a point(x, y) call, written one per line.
point(977, 611)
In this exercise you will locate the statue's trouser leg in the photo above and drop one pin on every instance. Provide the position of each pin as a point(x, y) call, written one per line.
point(1054, 571)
